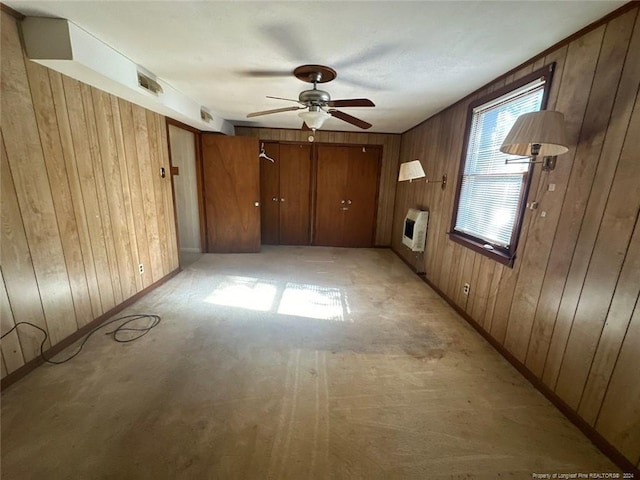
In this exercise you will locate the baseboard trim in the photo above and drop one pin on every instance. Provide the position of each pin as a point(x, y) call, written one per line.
point(591, 433)
point(31, 365)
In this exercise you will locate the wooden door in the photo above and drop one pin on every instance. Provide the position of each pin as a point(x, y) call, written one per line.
point(331, 181)
point(361, 194)
point(295, 194)
point(270, 195)
point(231, 178)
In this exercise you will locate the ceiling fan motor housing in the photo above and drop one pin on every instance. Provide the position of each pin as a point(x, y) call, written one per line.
point(316, 101)
point(314, 97)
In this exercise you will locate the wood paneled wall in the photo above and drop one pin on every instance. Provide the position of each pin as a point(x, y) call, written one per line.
point(82, 202)
point(388, 176)
point(568, 309)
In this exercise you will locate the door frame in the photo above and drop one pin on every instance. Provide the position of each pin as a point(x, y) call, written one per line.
point(199, 176)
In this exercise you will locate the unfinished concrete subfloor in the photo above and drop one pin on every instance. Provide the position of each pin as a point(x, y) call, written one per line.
point(295, 363)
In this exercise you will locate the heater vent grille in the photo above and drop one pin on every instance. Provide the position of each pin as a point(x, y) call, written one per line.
point(414, 234)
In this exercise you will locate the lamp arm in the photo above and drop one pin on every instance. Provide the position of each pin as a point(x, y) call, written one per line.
point(548, 163)
point(443, 181)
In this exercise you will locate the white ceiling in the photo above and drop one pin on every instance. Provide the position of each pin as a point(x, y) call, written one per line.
point(412, 59)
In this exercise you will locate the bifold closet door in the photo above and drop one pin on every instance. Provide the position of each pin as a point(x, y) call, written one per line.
point(231, 178)
point(331, 207)
point(346, 195)
point(285, 189)
point(361, 195)
point(270, 194)
point(295, 194)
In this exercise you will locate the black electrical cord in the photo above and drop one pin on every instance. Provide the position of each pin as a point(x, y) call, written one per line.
point(121, 328)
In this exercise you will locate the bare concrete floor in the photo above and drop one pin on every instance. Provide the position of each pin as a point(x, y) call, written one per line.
point(296, 363)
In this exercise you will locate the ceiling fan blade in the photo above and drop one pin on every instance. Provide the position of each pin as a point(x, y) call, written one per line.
point(287, 99)
point(305, 127)
point(353, 102)
point(277, 110)
point(349, 119)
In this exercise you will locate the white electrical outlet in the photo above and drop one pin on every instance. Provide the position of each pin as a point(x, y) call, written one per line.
point(141, 268)
point(466, 288)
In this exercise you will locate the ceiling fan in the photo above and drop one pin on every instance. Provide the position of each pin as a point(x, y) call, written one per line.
point(318, 103)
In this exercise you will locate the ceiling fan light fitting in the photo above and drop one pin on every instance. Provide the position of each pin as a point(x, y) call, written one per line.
point(314, 119)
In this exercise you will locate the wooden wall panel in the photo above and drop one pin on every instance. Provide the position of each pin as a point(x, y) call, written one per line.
point(17, 266)
point(596, 114)
point(606, 262)
point(594, 124)
point(618, 420)
point(388, 177)
point(12, 355)
point(136, 195)
point(145, 166)
point(29, 173)
point(75, 188)
point(75, 170)
point(89, 207)
point(49, 132)
point(565, 308)
point(614, 330)
point(101, 189)
point(121, 159)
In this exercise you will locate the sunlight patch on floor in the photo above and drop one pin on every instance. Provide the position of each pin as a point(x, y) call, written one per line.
point(244, 292)
point(312, 301)
point(291, 299)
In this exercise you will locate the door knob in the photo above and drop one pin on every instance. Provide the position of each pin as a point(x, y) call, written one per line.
point(343, 201)
point(256, 204)
point(348, 202)
point(282, 199)
point(275, 199)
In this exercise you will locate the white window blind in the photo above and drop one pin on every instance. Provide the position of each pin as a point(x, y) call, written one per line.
point(490, 193)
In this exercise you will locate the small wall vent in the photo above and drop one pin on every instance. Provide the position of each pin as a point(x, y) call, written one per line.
point(205, 115)
point(149, 84)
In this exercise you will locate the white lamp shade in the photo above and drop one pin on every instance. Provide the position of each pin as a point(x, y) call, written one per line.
point(545, 128)
point(410, 171)
point(314, 119)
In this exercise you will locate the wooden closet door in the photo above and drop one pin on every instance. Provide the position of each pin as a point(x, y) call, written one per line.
point(231, 177)
point(361, 193)
point(331, 205)
point(295, 194)
point(270, 195)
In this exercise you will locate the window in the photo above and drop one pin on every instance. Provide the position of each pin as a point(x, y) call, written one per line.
point(491, 195)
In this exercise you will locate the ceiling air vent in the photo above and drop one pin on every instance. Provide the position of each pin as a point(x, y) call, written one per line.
point(149, 84)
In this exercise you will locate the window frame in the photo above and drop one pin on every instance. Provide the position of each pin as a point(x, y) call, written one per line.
point(500, 254)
